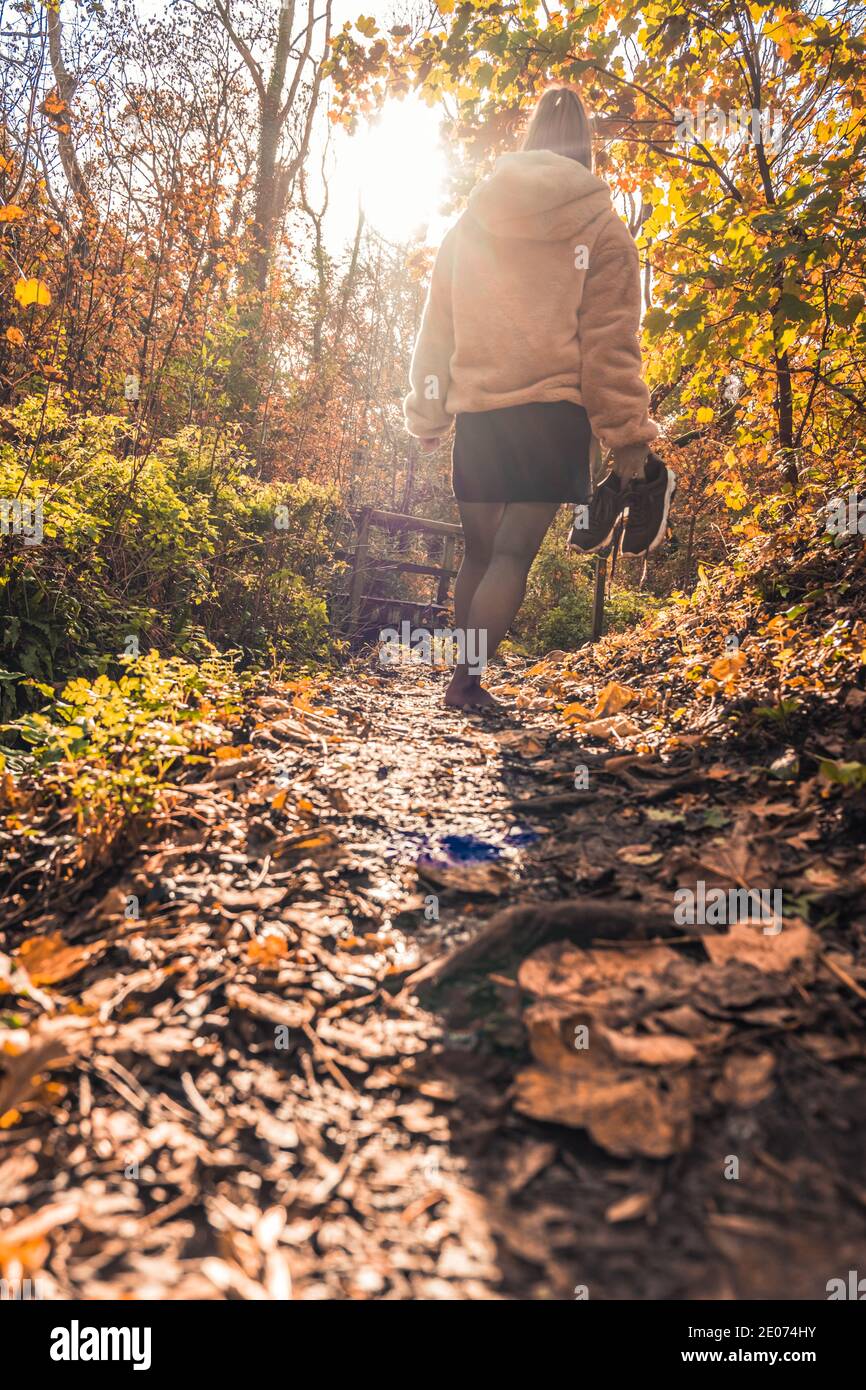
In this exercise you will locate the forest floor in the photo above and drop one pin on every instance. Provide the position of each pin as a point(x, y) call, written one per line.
point(295, 1073)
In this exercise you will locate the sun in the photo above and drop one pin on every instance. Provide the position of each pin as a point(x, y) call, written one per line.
point(401, 169)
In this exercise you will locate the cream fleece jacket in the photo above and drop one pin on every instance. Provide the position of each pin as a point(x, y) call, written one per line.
point(535, 296)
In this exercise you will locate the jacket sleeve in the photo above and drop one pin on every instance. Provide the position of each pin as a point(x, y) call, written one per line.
point(614, 394)
point(429, 374)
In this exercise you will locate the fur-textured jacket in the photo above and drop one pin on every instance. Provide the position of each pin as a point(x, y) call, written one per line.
point(535, 296)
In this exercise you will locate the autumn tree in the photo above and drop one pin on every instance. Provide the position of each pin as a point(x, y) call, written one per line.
point(736, 133)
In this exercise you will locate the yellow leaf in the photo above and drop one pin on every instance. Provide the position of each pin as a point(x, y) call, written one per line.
point(11, 213)
point(704, 415)
point(32, 291)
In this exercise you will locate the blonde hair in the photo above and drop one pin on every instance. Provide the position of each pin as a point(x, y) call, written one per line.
point(560, 123)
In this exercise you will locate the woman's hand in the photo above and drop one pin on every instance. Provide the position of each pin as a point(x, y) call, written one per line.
point(429, 443)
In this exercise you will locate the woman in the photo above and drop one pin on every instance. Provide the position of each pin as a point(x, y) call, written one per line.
point(528, 344)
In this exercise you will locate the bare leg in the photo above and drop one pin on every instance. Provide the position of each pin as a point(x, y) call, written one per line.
point(500, 592)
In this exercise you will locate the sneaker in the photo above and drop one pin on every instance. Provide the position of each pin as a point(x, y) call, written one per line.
point(649, 501)
point(595, 523)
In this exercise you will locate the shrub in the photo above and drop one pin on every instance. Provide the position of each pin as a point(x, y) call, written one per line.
point(182, 549)
point(557, 613)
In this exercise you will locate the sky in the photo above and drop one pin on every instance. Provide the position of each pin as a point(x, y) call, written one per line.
point(397, 167)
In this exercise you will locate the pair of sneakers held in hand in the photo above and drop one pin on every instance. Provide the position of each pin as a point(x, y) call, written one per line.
point(644, 502)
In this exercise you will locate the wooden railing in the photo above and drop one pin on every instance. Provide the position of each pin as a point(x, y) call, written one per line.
point(362, 606)
point(364, 569)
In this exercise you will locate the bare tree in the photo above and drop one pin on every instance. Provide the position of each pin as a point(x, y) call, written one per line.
point(287, 85)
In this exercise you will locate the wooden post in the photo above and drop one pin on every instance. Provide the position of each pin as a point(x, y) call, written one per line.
point(448, 564)
point(359, 569)
point(598, 596)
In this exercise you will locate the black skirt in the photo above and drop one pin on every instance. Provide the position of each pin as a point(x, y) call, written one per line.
point(538, 452)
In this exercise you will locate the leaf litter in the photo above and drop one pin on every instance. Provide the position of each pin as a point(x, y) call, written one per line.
point(401, 1013)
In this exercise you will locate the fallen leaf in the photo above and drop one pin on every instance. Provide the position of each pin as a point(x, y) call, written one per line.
point(747, 943)
point(644, 1115)
point(49, 959)
point(485, 878)
point(726, 667)
point(642, 855)
point(620, 726)
point(630, 1208)
point(612, 699)
point(746, 1080)
point(567, 972)
point(575, 711)
point(649, 1049)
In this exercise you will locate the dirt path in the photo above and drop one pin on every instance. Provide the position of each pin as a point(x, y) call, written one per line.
point(261, 1100)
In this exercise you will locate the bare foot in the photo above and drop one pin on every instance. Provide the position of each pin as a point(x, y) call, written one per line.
point(467, 692)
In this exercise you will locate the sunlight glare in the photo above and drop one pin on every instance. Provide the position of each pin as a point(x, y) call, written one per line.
point(401, 169)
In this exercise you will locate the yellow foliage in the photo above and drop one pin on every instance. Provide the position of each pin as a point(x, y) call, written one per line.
point(32, 291)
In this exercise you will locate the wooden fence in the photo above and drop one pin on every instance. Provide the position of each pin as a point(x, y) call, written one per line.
point(362, 607)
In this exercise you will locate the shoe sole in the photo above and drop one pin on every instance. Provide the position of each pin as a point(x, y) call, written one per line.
point(599, 545)
point(663, 526)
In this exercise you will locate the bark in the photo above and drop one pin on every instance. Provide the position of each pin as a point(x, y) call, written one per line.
point(67, 85)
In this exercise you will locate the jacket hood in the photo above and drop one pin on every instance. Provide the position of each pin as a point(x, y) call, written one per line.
point(537, 195)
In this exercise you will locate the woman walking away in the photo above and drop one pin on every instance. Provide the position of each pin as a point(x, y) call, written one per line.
point(529, 345)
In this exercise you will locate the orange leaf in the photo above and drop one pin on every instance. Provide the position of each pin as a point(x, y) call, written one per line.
point(48, 959)
point(612, 700)
point(575, 711)
point(724, 667)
